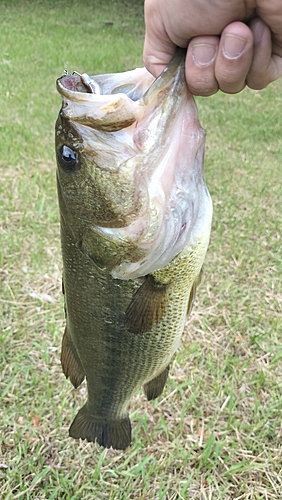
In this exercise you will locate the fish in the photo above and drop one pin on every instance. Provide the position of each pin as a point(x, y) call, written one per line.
point(135, 216)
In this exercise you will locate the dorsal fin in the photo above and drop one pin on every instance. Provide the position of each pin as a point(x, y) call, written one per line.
point(70, 361)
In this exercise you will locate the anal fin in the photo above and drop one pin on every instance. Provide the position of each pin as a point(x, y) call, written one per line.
point(108, 433)
point(155, 387)
point(147, 306)
point(70, 361)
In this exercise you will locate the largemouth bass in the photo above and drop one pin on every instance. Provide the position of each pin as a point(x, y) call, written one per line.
point(135, 225)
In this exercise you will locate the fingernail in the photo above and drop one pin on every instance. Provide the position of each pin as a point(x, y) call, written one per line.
point(233, 46)
point(203, 54)
point(257, 29)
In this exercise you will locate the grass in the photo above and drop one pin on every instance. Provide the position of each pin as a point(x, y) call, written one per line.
point(216, 431)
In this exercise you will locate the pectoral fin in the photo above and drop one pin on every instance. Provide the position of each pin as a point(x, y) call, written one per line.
point(193, 291)
point(147, 307)
point(70, 361)
point(155, 387)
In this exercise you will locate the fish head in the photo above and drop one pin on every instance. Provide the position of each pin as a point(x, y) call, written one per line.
point(130, 166)
point(95, 182)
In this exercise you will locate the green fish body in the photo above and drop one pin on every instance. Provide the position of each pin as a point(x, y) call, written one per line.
point(135, 226)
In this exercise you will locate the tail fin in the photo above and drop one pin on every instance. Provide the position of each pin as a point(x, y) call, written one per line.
point(107, 433)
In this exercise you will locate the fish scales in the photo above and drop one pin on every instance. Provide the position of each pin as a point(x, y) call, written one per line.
point(135, 225)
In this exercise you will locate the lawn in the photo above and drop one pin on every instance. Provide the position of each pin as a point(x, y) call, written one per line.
point(216, 431)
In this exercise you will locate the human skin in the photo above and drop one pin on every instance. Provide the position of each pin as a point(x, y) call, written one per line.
point(231, 43)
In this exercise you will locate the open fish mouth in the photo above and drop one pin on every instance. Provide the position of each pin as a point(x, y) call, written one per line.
point(103, 101)
point(138, 81)
point(156, 182)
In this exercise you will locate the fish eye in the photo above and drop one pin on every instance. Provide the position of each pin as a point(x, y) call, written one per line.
point(67, 158)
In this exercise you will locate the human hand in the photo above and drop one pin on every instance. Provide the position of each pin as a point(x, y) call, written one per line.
point(230, 44)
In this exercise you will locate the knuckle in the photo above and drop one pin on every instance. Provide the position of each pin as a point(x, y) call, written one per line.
point(232, 81)
point(200, 79)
